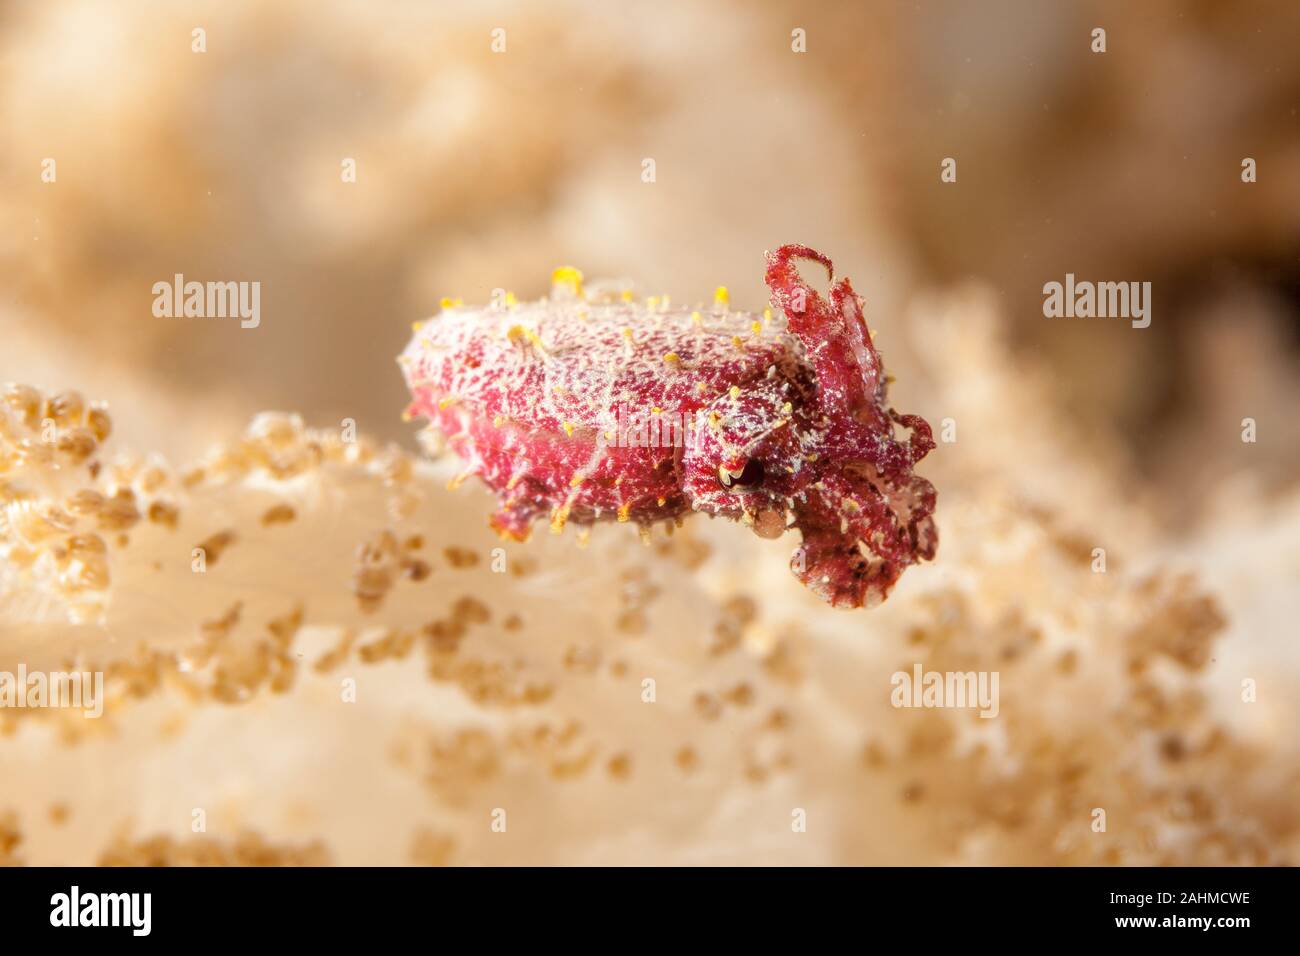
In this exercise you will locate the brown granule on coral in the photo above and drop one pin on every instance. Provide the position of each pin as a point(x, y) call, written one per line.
point(631, 622)
point(247, 849)
point(582, 658)
point(491, 683)
point(416, 569)
point(237, 678)
point(336, 655)
point(463, 758)
point(1181, 625)
point(392, 645)
point(11, 836)
point(460, 558)
point(873, 755)
point(686, 759)
point(487, 682)
point(119, 512)
point(563, 753)
point(742, 695)
point(163, 513)
point(707, 705)
point(278, 514)
point(522, 566)
point(219, 628)
point(431, 849)
point(687, 551)
point(286, 627)
point(215, 546)
point(781, 662)
point(738, 612)
point(620, 766)
point(443, 637)
point(375, 570)
point(470, 610)
point(636, 593)
point(779, 719)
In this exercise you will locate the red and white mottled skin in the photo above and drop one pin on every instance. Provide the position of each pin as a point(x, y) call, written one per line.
point(794, 426)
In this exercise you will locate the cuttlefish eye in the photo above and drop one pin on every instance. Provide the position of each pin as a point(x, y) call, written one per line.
point(749, 476)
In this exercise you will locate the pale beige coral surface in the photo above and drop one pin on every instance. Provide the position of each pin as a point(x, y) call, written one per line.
point(357, 670)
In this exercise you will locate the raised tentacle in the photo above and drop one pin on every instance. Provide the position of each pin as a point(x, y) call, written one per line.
point(834, 334)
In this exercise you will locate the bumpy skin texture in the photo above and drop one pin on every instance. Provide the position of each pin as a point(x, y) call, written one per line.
point(583, 410)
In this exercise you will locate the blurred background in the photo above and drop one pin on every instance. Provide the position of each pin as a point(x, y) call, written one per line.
point(478, 169)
